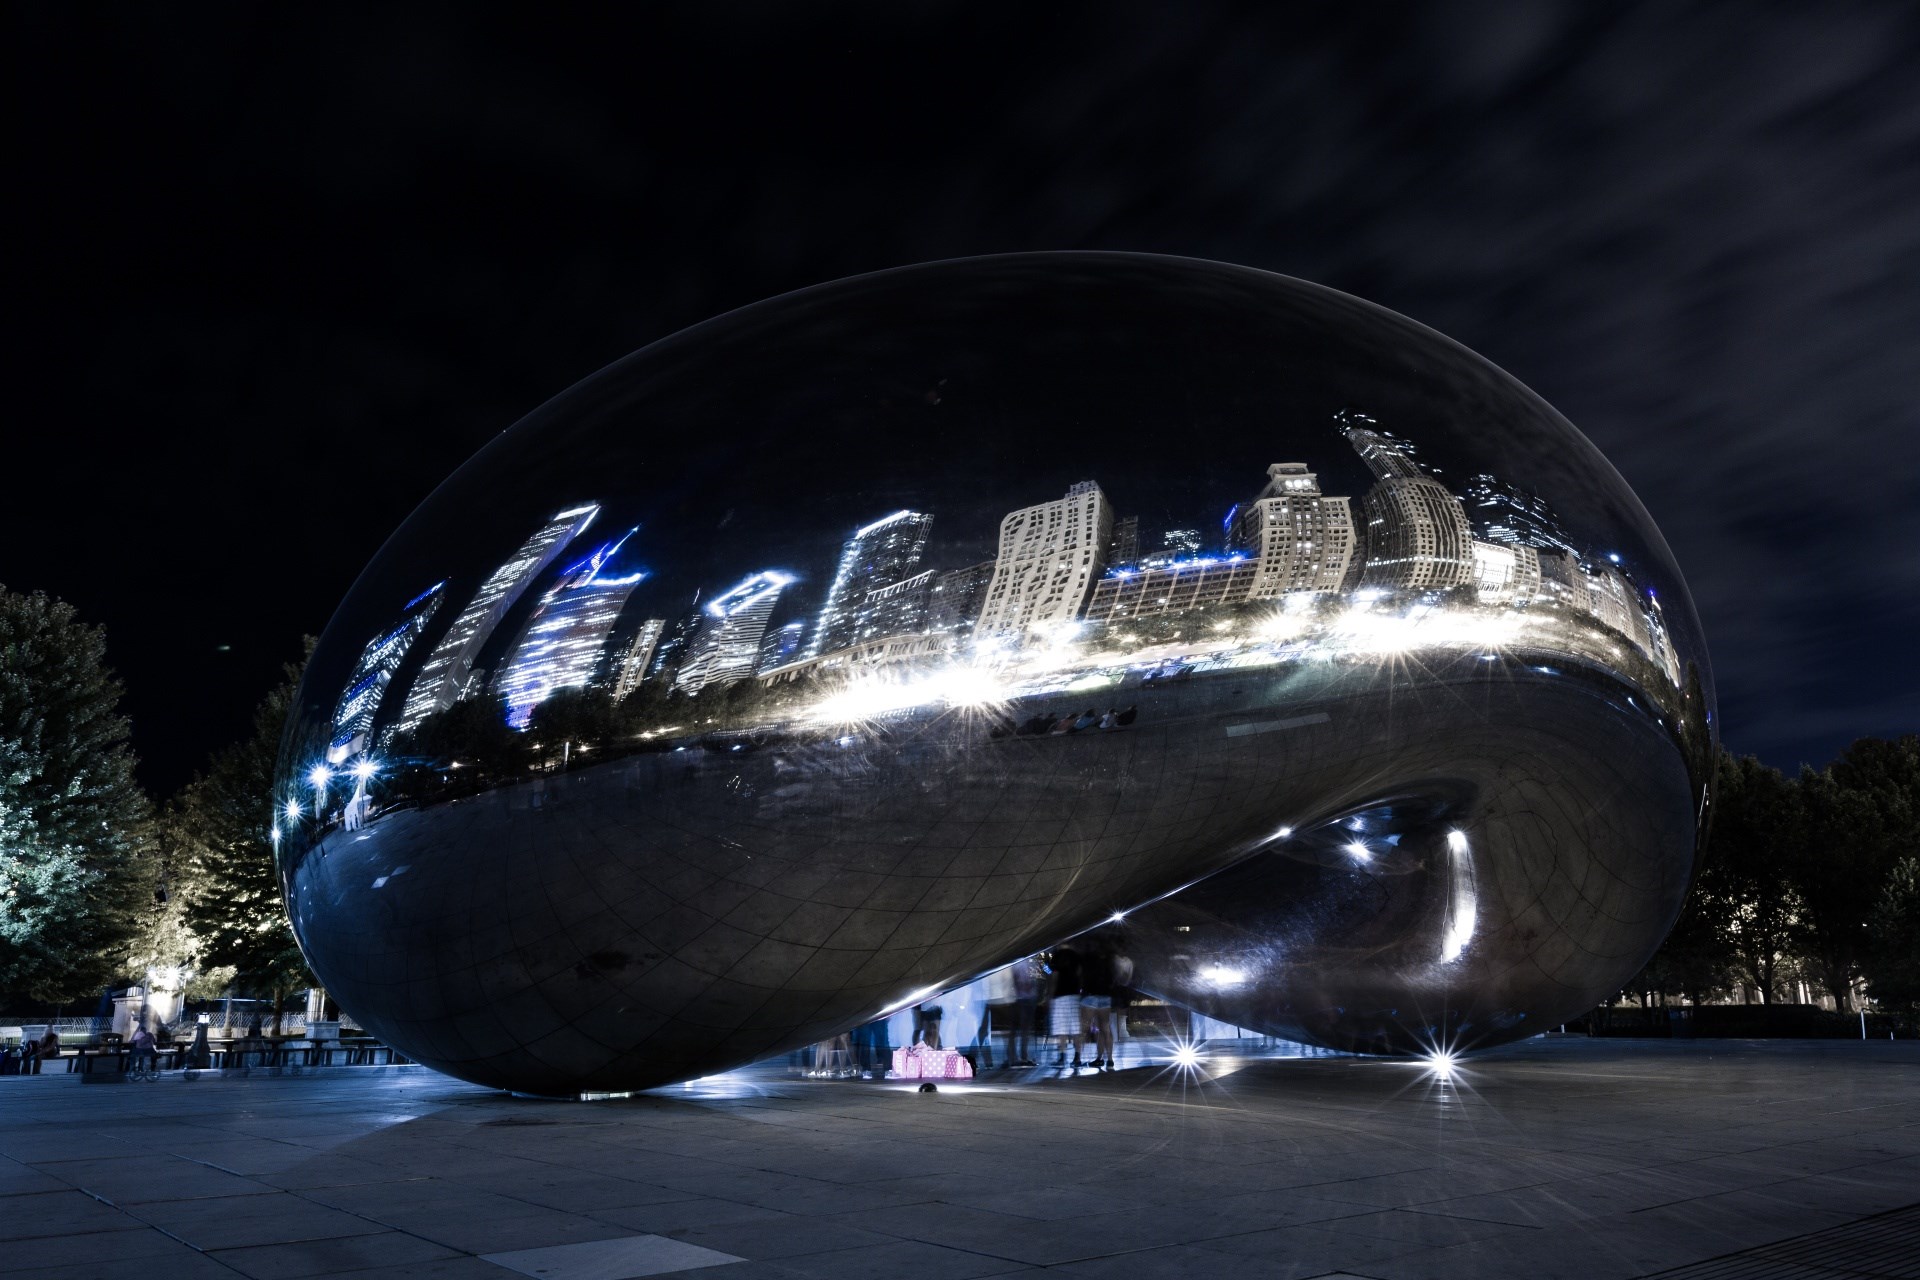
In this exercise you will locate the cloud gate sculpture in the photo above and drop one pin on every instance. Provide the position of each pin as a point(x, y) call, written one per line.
point(857, 643)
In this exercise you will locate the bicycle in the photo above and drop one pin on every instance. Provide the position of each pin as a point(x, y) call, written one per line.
point(144, 1068)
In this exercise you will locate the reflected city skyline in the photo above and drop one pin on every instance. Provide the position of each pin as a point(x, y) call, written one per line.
point(1407, 565)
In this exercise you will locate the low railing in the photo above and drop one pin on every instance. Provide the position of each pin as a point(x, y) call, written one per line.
point(114, 1060)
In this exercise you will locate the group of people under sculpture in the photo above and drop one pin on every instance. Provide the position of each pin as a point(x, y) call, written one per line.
point(1084, 985)
point(1046, 723)
point(1070, 995)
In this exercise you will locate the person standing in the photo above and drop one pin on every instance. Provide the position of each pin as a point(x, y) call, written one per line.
point(1123, 996)
point(1063, 1012)
point(1096, 1003)
point(1028, 977)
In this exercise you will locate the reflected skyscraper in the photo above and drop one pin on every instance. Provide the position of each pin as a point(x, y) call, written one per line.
point(1175, 545)
point(633, 666)
point(727, 647)
point(1304, 539)
point(1050, 557)
point(367, 688)
point(1505, 574)
point(1184, 584)
point(447, 675)
point(560, 648)
point(876, 556)
point(1417, 536)
point(781, 646)
point(1510, 516)
point(958, 595)
point(1660, 638)
point(1123, 546)
point(898, 609)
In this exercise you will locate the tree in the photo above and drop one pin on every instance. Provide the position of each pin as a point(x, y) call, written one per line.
point(1863, 820)
point(1893, 962)
point(1752, 848)
point(1697, 959)
point(77, 869)
point(219, 825)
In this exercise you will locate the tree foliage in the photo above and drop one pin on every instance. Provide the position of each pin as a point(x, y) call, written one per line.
point(1867, 822)
point(1814, 878)
point(76, 867)
point(218, 836)
point(1758, 835)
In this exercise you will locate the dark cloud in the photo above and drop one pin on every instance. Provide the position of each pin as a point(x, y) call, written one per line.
point(257, 254)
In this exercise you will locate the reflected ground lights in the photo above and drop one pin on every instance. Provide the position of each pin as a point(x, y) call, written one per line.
point(862, 641)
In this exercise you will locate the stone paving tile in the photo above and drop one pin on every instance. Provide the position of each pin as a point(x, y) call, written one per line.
point(232, 1222)
point(414, 1192)
point(620, 1258)
point(20, 1179)
point(1432, 1230)
point(1429, 1186)
point(828, 1199)
point(332, 1257)
point(96, 1251)
point(187, 1265)
point(460, 1267)
point(577, 1192)
point(1581, 1199)
point(891, 1261)
point(31, 1145)
point(1863, 1189)
point(136, 1179)
point(455, 1225)
point(785, 1236)
point(673, 1217)
point(1314, 1247)
point(1537, 1255)
point(1186, 1261)
point(312, 1172)
point(40, 1214)
point(1047, 1243)
point(1741, 1218)
point(1049, 1204)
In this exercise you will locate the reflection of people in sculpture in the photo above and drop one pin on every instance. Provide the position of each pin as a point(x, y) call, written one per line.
point(354, 816)
point(1123, 997)
point(1063, 1012)
point(1027, 979)
point(1096, 1005)
point(871, 1037)
point(834, 1056)
point(926, 1025)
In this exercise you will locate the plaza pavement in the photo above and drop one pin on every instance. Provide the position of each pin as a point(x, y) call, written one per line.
point(1557, 1157)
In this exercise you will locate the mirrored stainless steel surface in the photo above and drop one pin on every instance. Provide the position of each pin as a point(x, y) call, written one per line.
point(859, 642)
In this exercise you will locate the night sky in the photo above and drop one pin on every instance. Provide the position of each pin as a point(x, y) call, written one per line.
point(249, 257)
